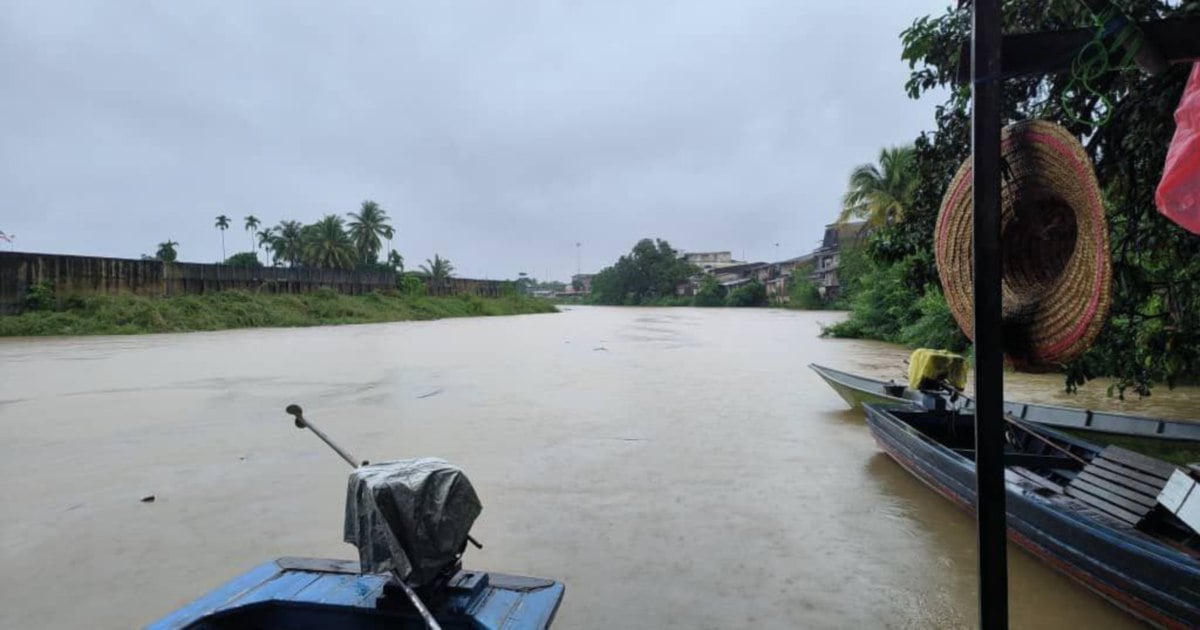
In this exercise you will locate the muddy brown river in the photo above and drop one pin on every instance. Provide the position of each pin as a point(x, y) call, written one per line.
point(676, 468)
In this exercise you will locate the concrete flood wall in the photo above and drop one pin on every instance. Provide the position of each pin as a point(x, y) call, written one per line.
point(87, 275)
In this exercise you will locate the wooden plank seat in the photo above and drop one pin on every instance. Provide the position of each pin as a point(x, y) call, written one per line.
point(1121, 483)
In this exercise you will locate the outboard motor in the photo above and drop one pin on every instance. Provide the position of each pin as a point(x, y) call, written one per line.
point(411, 518)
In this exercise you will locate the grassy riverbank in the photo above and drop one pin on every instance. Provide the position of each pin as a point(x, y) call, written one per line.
point(108, 315)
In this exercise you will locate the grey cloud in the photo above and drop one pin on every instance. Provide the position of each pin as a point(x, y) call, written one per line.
point(497, 134)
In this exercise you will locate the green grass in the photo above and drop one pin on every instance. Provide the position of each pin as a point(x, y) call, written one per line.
point(117, 315)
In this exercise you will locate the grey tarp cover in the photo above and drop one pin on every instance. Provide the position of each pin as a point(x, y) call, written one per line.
point(411, 516)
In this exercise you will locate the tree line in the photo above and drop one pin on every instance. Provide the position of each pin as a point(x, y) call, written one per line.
point(333, 242)
point(651, 273)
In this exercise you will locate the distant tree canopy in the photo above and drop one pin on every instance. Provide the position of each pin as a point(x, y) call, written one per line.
point(752, 293)
point(1153, 332)
point(650, 271)
point(245, 260)
point(710, 293)
point(437, 269)
point(167, 251)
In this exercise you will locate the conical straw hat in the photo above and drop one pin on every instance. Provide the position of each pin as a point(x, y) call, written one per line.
point(1057, 270)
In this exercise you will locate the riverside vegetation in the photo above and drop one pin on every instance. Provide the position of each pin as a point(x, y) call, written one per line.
point(327, 244)
point(128, 314)
point(1153, 331)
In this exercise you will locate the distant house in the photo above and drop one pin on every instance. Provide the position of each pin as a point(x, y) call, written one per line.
point(581, 283)
point(827, 257)
point(708, 261)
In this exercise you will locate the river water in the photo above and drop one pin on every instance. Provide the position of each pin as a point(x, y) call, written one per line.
point(676, 468)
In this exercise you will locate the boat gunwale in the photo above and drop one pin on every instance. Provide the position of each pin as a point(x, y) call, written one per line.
point(1188, 430)
point(878, 414)
point(824, 372)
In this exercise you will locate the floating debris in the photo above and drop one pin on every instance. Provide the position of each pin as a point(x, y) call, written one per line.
point(599, 348)
point(149, 498)
point(432, 393)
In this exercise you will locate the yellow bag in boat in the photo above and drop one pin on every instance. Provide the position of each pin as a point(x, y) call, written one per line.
point(927, 368)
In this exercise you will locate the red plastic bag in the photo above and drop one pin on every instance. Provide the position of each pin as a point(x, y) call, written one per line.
point(1178, 195)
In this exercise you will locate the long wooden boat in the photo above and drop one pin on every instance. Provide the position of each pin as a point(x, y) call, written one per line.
point(1087, 511)
point(318, 593)
point(856, 390)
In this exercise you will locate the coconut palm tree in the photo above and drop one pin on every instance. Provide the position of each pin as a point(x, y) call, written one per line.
point(366, 227)
point(395, 260)
point(327, 245)
point(882, 194)
point(264, 238)
point(438, 269)
point(288, 242)
point(222, 224)
point(252, 224)
point(166, 251)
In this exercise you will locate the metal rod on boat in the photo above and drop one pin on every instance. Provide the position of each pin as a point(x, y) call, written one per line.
point(418, 604)
point(1047, 441)
point(301, 423)
point(295, 410)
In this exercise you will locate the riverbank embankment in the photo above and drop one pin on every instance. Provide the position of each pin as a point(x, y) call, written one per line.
point(133, 314)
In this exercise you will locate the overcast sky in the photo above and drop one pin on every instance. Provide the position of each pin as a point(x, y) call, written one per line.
point(497, 134)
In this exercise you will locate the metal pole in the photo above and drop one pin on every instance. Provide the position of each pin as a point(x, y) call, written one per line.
point(301, 423)
point(986, 85)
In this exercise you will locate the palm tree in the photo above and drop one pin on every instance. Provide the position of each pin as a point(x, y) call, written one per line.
point(327, 245)
point(438, 269)
point(166, 251)
point(882, 194)
point(395, 260)
point(366, 226)
point(288, 242)
point(264, 238)
point(252, 224)
point(222, 224)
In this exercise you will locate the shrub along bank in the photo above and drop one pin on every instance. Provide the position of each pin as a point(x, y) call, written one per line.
point(104, 315)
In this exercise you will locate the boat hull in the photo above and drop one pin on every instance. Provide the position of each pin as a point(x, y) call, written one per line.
point(856, 390)
point(294, 593)
point(1153, 582)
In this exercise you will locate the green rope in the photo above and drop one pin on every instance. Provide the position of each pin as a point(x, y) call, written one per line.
point(1114, 31)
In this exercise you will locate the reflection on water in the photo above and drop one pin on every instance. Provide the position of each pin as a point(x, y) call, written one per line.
point(675, 467)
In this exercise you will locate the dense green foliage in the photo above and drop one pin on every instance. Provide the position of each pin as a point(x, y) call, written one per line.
point(1153, 333)
point(409, 284)
point(650, 272)
point(326, 244)
point(881, 194)
point(365, 229)
point(244, 260)
point(167, 251)
point(803, 293)
point(39, 297)
point(101, 315)
point(753, 293)
point(438, 269)
point(710, 293)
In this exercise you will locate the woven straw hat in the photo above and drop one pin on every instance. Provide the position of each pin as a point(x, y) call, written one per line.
point(1057, 270)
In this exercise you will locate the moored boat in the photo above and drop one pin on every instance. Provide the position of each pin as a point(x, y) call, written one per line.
point(1091, 513)
point(410, 520)
point(856, 390)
